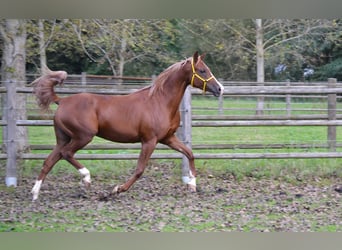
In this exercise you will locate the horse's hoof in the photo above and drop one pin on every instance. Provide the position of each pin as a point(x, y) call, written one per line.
point(191, 188)
point(116, 189)
point(86, 184)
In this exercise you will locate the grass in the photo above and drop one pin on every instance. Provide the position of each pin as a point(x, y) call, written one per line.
point(86, 222)
point(63, 221)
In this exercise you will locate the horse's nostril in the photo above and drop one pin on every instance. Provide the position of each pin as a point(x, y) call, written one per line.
point(221, 90)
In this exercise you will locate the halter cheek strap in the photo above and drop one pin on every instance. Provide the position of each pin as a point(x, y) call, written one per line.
point(194, 74)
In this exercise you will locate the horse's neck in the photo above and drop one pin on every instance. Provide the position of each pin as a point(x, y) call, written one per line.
point(174, 92)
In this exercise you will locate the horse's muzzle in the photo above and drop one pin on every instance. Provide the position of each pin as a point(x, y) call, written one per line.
point(216, 88)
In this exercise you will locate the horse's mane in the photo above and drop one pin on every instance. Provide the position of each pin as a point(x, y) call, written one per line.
point(159, 83)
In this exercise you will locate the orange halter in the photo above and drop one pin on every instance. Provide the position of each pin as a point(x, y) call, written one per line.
point(194, 74)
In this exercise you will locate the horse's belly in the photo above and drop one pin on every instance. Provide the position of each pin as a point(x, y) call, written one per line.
point(119, 136)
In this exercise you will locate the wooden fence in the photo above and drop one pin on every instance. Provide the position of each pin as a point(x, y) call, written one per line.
point(189, 121)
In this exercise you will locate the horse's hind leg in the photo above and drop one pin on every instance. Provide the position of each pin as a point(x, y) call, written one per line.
point(69, 151)
point(50, 161)
point(48, 164)
point(66, 148)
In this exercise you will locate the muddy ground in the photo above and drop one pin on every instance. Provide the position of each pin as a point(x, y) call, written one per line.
point(160, 202)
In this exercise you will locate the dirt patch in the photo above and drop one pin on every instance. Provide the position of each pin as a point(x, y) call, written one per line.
point(160, 202)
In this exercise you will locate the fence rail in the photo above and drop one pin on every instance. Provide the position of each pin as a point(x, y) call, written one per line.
point(331, 120)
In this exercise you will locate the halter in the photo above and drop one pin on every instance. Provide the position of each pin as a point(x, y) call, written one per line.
point(194, 74)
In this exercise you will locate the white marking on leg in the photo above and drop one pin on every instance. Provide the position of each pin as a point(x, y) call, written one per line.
point(185, 179)
point(115, 189)
point(35, 190)
point(190, 180)
point(85, 172)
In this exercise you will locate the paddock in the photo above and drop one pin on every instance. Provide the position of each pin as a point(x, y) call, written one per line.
point(223, 202)
point(193, 118)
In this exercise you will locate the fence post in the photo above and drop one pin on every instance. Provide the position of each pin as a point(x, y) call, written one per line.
point(288, 100)
point(220, 103)
point(84, 78)
point(11, 164)
point(186, 130)
point(332, 116)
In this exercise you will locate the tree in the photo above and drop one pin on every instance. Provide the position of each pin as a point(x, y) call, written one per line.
point(229, 43)
point(145, 47)
point(276, 41)
point(13, 34)
point(54, 43)
point(260, 60)
point(42, 44)
point(118, 43)
point(40, 35)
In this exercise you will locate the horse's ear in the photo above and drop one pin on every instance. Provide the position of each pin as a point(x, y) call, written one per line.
point(203, 56)
point(195, 56)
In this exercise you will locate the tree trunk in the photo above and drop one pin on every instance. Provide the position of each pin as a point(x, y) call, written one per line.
point(122, 58)
point(260, 63)
point(42, 51)
point(13, 70)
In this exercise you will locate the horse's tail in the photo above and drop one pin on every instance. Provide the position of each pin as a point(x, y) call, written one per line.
point(43, 87)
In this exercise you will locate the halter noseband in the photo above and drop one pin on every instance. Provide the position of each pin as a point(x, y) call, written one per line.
point(194, 74)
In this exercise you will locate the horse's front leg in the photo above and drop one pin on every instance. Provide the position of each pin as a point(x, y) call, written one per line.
point(174, 143)
point(147, 149)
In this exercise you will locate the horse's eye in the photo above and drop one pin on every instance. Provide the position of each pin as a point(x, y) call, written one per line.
point(202, 71)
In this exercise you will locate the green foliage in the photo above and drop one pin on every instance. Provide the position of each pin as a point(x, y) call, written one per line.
point(144, 47)
point(333, 69)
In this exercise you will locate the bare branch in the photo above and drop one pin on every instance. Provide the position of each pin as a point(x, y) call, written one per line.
point(308, 31)
point(78, 33)
point(3, 33)
point(48, 40)
point(111, 63)
point(240, 35)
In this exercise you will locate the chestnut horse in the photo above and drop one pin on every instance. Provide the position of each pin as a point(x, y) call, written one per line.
point(149, 115)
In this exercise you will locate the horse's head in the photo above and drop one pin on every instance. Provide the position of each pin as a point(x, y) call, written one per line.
point(202, 78)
